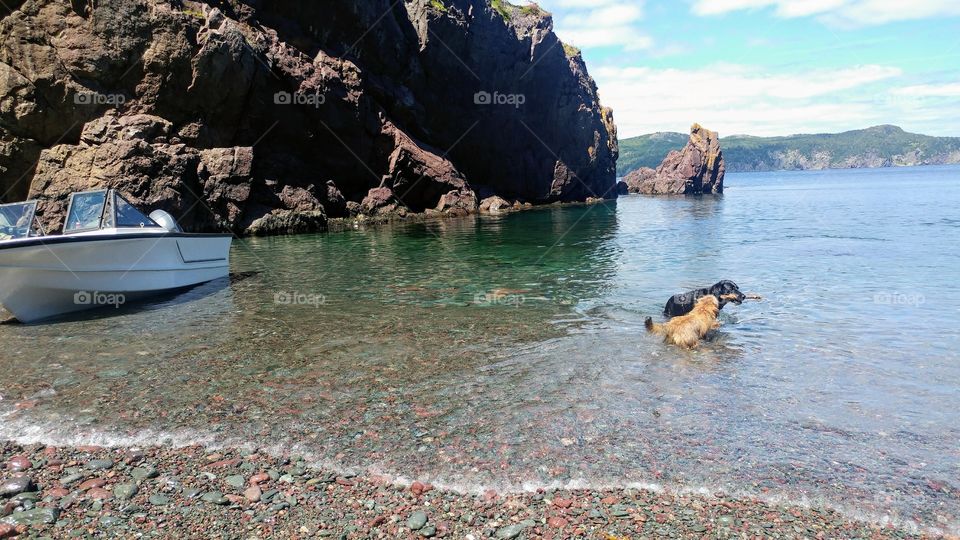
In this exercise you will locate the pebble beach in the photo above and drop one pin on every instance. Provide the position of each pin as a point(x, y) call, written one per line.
point(160, 492)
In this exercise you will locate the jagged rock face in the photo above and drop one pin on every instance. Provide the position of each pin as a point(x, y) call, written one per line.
point(697, 169)
point(636, 179)
point(226, 113)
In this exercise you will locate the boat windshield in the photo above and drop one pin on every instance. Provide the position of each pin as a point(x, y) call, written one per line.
point(106, 209)
point(86, 211)
point(16, 220)
point(128, 216)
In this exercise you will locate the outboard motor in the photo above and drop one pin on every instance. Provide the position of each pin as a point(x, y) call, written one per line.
point(165, 220)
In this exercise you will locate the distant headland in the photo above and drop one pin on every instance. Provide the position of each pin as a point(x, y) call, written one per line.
point(878, 146)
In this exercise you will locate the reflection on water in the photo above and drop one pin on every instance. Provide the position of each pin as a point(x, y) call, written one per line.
point(510, 351)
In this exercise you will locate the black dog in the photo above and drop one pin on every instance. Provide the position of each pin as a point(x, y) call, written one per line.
point(725, 291)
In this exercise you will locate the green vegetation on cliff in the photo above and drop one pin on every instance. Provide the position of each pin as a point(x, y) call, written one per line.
point(878, 146)
point(501, 7)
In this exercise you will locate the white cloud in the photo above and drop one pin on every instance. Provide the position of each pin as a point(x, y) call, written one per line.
point(838, 12)
point(784, 8)
point(929, 90)
point(742, 99)
point(601, 23)
point(610, 15)
point(580, 4)
point(615, 36)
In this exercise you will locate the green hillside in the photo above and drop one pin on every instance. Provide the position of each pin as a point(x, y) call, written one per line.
point(879, 146)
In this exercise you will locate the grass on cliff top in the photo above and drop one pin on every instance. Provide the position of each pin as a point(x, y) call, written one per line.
point(438, 5)
point(502, 7)
point(508, 11)
point(533, 9)
point(570, 50)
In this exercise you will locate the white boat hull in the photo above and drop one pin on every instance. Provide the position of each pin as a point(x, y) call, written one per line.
point(45, 277)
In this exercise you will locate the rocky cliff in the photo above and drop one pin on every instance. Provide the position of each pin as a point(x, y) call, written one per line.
point(696, 169)
point(270, 116)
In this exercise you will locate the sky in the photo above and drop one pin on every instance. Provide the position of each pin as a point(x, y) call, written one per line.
point(770, 67)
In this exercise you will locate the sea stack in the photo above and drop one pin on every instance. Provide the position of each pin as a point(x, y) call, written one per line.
point(696, 169)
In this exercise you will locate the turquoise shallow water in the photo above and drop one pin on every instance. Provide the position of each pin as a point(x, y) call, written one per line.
point(509, 352)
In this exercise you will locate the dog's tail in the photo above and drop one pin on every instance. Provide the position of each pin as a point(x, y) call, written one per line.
point(652, 327)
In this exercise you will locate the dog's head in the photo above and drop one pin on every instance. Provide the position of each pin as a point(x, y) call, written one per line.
point(727, 291)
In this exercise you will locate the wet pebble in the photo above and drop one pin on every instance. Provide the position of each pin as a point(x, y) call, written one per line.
point(417, 520)
point(142, 473)
point(513, 531)
point(36, 516)
point(259, 478)
point(236, 480)
point(26, 496)
point(111, 521)
point(159, 499)
point(14, 485)
point(72, 478)
point(252, 494)
point(92, 483)
point(214, 497)
point(99, 464)
point(98, 493)
point(125, 491)
point(18, 464)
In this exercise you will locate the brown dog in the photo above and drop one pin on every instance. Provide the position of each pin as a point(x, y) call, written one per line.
point(687, 330)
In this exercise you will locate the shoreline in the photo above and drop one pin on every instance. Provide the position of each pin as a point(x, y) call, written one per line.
point(361, 221)
point(192, 490)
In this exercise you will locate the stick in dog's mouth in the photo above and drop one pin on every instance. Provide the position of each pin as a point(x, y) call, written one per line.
point(732, 297)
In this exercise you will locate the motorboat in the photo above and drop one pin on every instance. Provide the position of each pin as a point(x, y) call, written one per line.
point(109, 253)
